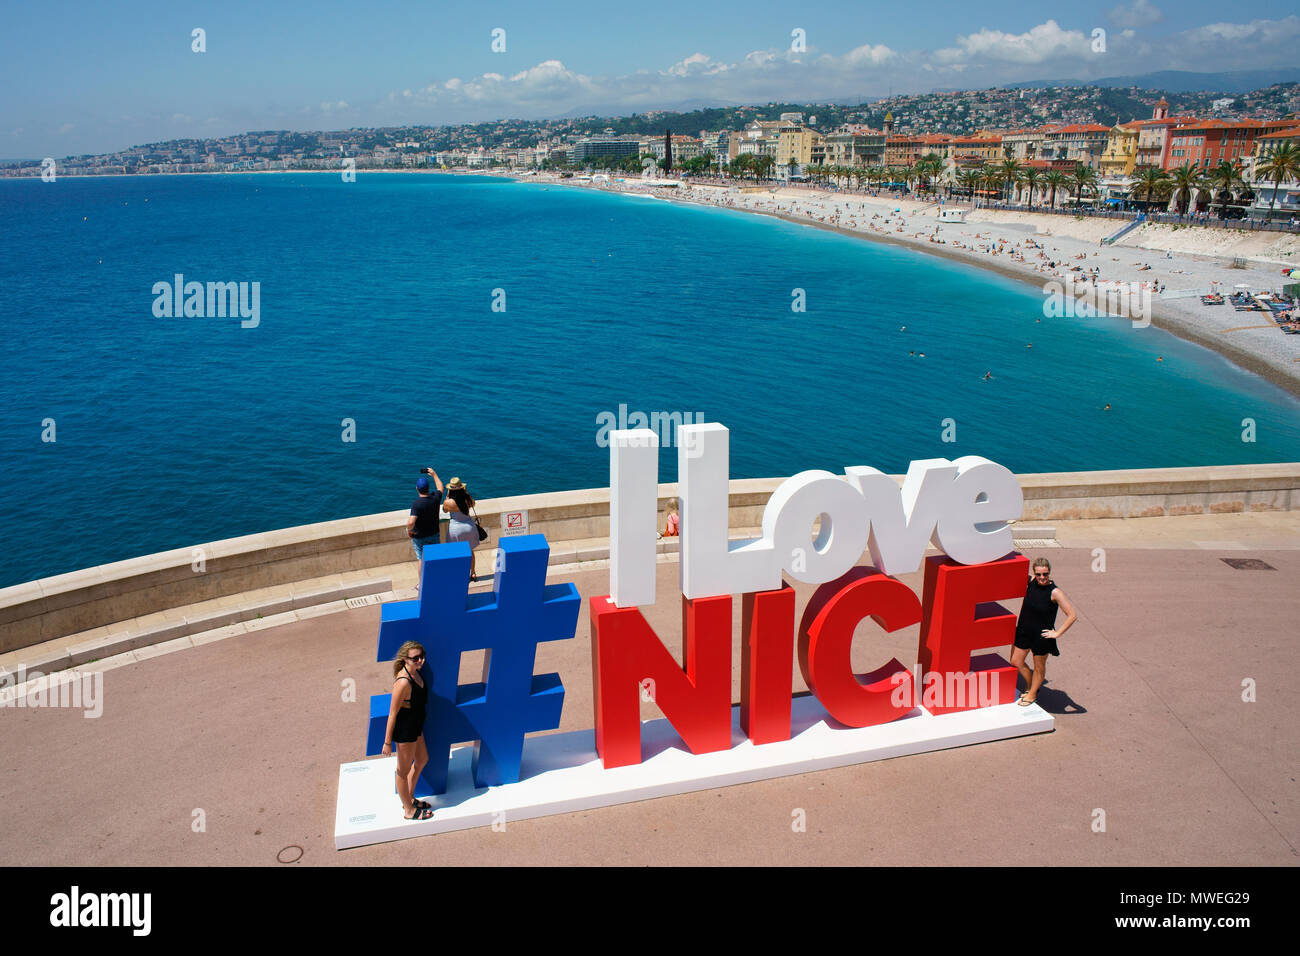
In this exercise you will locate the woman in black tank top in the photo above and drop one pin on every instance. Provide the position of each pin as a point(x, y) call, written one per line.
point(406, 727)
point(1036, 628)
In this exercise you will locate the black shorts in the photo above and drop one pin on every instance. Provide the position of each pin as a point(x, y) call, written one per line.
point(1038, 645)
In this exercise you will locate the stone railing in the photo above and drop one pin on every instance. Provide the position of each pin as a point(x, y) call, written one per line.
point(574, 522)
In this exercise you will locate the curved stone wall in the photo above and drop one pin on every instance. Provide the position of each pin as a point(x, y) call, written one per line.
point(65, 604)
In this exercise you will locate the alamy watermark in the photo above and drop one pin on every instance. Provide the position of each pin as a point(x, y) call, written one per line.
point(1085, 300)
point(663, 424)
point(75, 690)
point(218, 300)
point(953, 689)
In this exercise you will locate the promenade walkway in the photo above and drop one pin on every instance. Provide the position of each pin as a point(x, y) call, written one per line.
point(1152, 729)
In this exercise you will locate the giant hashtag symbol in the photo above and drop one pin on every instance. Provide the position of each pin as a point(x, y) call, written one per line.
point(521, 612)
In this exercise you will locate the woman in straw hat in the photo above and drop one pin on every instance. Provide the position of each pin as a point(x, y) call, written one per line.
point(462, 526)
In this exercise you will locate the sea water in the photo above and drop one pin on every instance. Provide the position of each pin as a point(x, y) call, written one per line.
point(487, 328)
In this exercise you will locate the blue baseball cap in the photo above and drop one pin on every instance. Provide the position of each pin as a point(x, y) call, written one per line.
point(422, 483)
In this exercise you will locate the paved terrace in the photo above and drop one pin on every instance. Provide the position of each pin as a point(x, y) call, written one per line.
point(248, 724)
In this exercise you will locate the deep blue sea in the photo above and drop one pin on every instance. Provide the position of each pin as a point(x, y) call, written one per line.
point(376, 305)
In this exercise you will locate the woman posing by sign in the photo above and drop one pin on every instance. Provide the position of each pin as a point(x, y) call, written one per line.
point(1036, 629)
point(406, 727)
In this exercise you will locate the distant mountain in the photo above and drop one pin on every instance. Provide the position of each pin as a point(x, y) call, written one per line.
point(1183, 81)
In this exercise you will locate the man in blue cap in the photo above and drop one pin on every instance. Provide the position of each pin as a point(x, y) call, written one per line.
point(422, 525)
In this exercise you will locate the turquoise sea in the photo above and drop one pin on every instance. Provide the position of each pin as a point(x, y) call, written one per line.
point(376, 306)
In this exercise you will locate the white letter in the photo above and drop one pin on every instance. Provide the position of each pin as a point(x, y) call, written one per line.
point(788, 520)
point(902, 519)
point(973, 525)
point(710, 564)
point(633, 513)
point(200, 44)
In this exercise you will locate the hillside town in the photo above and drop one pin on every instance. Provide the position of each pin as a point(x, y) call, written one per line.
point(1018, 147)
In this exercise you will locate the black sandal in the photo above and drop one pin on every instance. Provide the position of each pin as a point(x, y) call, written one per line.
point(419, 814)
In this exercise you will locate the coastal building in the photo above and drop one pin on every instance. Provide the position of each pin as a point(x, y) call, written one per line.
point(603, 146)
point(971, 152)
point(1024, 145)
point(1206, 143)
point(758, 137)
point(1272, 200)
point(1076, 143)
point(684, 148)
point(855, 146)
point(795, 145)
point(1119, 158)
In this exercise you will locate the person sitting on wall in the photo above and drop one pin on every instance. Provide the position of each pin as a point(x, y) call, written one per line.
point(672, 525)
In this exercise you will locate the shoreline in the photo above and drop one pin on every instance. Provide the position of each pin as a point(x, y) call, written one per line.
point(1165, 315)
point(1177, 327)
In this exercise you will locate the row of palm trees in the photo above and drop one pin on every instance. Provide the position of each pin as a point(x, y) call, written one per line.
point(1151, 184)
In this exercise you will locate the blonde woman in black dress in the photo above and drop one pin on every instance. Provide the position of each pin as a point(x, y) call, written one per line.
point(1036, 628)
point(406, 727)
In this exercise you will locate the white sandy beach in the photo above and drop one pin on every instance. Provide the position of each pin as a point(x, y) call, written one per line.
point(1183, 261)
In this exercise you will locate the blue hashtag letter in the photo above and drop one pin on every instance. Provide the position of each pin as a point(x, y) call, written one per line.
point(507, 625)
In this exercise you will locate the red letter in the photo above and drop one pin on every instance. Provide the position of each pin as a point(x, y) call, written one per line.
point(960, 617)
point(697, 701)
point(766, 664)
point(826, 643)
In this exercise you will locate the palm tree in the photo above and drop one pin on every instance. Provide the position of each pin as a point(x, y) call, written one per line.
point(1056, 180)
point(970, 179)
point(1083, 177)
point(1152, 182)
point(1186, 180)
point(1282, 164)
point(1029, 176)
point(992, 177)
point(1226, 177)
point(1010, 170)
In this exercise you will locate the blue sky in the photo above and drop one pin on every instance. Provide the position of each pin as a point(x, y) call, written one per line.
point(92, 77)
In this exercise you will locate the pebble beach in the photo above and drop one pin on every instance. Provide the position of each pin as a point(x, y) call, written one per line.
point(1173, 265)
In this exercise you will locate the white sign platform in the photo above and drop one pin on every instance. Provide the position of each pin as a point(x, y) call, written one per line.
point(562, 774)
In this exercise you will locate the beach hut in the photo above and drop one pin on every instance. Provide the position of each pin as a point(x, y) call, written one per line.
point(952, 215)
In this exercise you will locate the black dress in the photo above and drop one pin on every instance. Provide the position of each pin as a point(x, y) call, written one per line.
point(1037, 614)
point(410, 719)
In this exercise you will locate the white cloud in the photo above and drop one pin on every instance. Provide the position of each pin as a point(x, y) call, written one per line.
point(1047, 41)
point(870, 54)
point(987, 57)
point(1264, 42)
point(696, 64)
point(1140, 14)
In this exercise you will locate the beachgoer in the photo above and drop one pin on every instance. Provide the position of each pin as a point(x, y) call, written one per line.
point(406, 727)
point(1036, 629)
point(672, 524)
point(462, 526)
point(422, 525)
